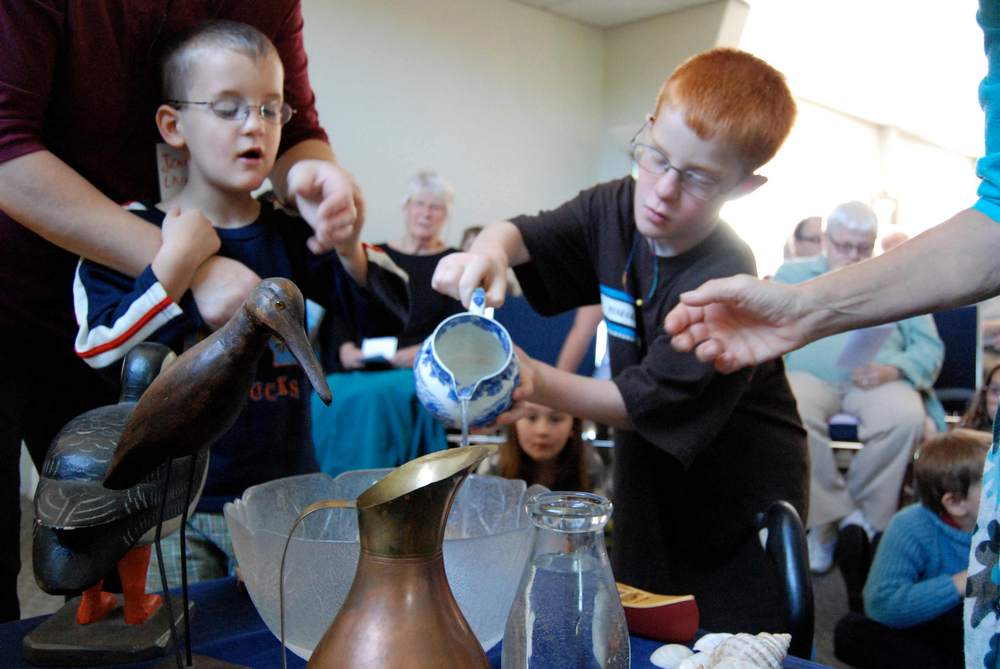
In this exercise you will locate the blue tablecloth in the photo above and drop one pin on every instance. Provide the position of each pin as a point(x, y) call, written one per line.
point(226, 626)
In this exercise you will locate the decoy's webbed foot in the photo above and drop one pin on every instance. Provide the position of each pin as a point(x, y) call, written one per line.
point(132, 569)
point(95, 605)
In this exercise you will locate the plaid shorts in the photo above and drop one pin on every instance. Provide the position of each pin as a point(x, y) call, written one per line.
point(209, 553)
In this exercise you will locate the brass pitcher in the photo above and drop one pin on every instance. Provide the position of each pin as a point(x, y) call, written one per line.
point(400, 611)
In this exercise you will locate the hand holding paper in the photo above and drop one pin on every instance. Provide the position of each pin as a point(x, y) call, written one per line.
point(874, 375)
point(863, 345)
point(378, 349)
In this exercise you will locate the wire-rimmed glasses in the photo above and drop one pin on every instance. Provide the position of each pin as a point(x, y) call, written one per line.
point(652, 160)
point(274, 112)
point(862, 249)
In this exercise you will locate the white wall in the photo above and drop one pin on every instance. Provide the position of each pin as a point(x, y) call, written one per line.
point(520, 109)
point(827, 159)
point(830, 158)
point(642, 54)
point(505, 101)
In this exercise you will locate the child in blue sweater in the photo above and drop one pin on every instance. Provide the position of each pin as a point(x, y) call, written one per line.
point(919, 572)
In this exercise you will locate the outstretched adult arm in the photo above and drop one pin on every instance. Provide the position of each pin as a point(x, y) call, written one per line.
point(741, 321)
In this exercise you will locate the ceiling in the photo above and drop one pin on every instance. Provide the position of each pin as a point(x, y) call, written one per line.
point(610, 13)
point(880, 61)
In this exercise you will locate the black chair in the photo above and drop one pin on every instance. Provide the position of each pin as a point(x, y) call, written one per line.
point(786, 545)
point(963, 357)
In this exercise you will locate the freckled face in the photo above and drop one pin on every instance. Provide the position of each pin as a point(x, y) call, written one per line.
point(664, 211)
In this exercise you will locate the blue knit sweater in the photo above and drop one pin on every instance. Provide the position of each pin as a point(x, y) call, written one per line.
point(910, 579)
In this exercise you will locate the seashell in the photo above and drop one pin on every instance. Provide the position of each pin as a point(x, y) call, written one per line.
point(763, 651)
point(670, 656)
point(710, 641)
point(730, 663)
point(697, 661)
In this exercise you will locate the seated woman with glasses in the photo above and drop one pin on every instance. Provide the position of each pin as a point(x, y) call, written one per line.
point(376, 420)
point(891, 395)
point(983, 409)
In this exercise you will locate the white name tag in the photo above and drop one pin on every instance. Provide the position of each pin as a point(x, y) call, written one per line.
point(619, 313)
point(171, 165)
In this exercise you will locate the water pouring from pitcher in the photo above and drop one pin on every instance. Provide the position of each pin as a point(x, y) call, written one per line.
point(467, 369)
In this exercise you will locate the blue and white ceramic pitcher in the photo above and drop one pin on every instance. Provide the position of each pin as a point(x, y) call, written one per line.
point(469, 356)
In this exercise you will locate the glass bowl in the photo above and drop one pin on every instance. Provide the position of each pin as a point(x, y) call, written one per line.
point(487, 542)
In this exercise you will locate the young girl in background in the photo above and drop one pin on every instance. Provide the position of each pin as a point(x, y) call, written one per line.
point(545, 448)
point(983, 408)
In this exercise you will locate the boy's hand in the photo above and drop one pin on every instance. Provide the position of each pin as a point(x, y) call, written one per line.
point(189, 236)
point(524, 391)
point(458, 274)
point(329, 200)
point(960, 580)
point(188, 240)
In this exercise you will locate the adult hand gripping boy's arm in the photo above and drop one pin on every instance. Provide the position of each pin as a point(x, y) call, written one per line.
point(47, 196)
point(741, 321)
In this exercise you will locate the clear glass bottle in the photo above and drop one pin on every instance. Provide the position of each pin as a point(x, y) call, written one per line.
point(567, 612)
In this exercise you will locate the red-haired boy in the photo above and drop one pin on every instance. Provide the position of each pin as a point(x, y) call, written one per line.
point(698, 454)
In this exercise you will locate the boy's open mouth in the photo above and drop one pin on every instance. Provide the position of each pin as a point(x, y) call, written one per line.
point(252, 154)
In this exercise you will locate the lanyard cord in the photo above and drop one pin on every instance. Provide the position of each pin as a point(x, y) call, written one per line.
point(656, 273)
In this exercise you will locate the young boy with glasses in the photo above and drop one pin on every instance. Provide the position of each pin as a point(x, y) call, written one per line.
point(698, 455)
point(223, 85)
point(918, 577)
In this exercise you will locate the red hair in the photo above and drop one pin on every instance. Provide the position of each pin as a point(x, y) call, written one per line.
point(736, 97)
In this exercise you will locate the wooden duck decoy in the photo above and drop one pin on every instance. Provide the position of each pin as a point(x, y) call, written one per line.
point(83, 530)
point(199, 397)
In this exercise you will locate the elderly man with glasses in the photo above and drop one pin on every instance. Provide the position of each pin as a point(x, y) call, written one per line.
point(891, 396)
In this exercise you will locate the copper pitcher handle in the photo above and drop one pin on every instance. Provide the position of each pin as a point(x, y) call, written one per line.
point(308, 511)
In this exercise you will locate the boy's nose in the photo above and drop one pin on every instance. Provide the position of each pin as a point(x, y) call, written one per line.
point(668, 186)
point(253, 121)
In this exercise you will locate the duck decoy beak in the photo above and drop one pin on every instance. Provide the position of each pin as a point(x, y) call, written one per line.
point(295, 338)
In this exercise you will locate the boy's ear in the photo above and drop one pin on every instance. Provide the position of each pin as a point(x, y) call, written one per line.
point(168, 121)
point(954, 504)
point(747, 185)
